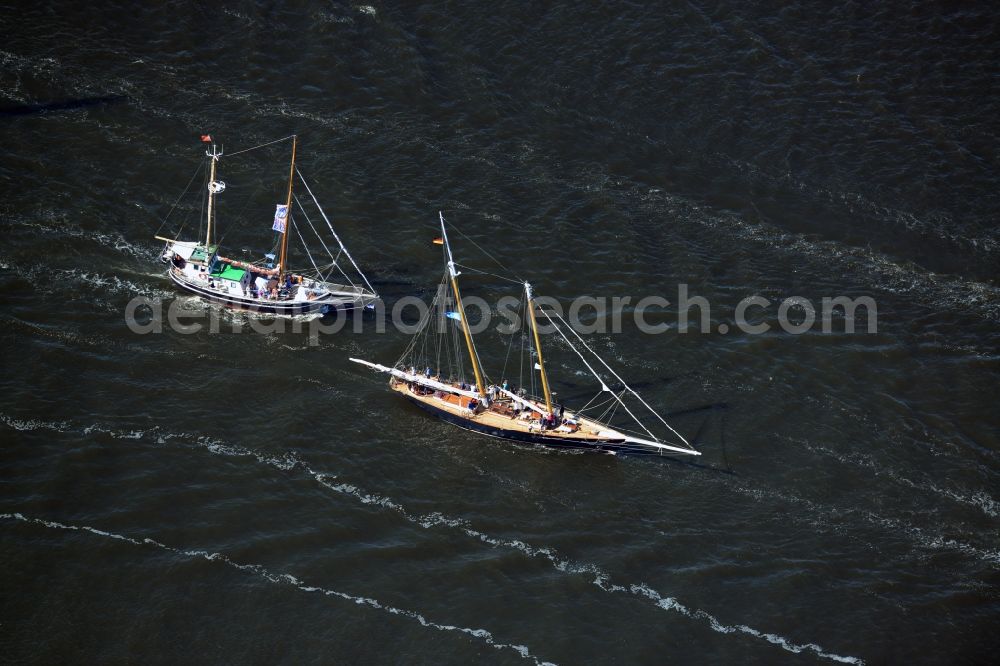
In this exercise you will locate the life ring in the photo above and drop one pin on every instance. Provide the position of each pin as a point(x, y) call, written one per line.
point(203, 276)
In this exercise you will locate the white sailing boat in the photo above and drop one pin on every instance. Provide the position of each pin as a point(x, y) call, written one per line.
point(431, 374)
point(268, 284)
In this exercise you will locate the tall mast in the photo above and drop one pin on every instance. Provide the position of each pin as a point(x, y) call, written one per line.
point(538, 347)
point(461, 310)
point(288, 213)
point(213, 189)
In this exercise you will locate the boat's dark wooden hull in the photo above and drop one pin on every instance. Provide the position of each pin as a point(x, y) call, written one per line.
point(270, 307)
point(607, 446)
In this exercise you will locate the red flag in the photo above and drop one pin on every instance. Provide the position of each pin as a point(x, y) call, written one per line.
point(206, 138)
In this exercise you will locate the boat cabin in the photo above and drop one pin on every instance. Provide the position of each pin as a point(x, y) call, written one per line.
point(229, 279)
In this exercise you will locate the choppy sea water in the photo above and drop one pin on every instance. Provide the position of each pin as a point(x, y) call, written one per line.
point(258, 498)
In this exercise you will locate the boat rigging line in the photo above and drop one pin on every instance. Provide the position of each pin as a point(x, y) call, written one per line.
point(263, 145)
point(616, 376)
point(480, 248)
point(604, 387)
point(201, 165)
point(323, 243)
point(336, 237)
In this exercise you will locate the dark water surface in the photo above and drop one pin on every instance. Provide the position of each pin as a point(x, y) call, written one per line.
point(257, 499)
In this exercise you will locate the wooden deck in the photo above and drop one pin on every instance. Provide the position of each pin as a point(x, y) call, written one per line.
point(500, 415)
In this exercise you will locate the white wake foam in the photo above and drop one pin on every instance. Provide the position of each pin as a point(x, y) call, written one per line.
point(111, 240)
point(47, 280)
point(978, 498)
point(893, 526)
point(435, 519)
point(601, 579)
point(288, 579)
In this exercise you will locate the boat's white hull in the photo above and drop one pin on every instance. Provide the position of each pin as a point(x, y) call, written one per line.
point(328, 304)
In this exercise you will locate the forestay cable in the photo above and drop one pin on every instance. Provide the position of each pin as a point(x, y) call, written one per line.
point(247, 150)
point(594, 372)
point(320, 208)
point(616, 376)
point(323, 243)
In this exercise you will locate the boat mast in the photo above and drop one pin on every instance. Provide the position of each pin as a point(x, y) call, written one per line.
point(213, 189)
point(288, 219)
point(461, 310)
point(538, 348)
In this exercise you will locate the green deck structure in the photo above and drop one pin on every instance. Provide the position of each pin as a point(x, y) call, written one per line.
point(229, 273)
point(202, 254)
